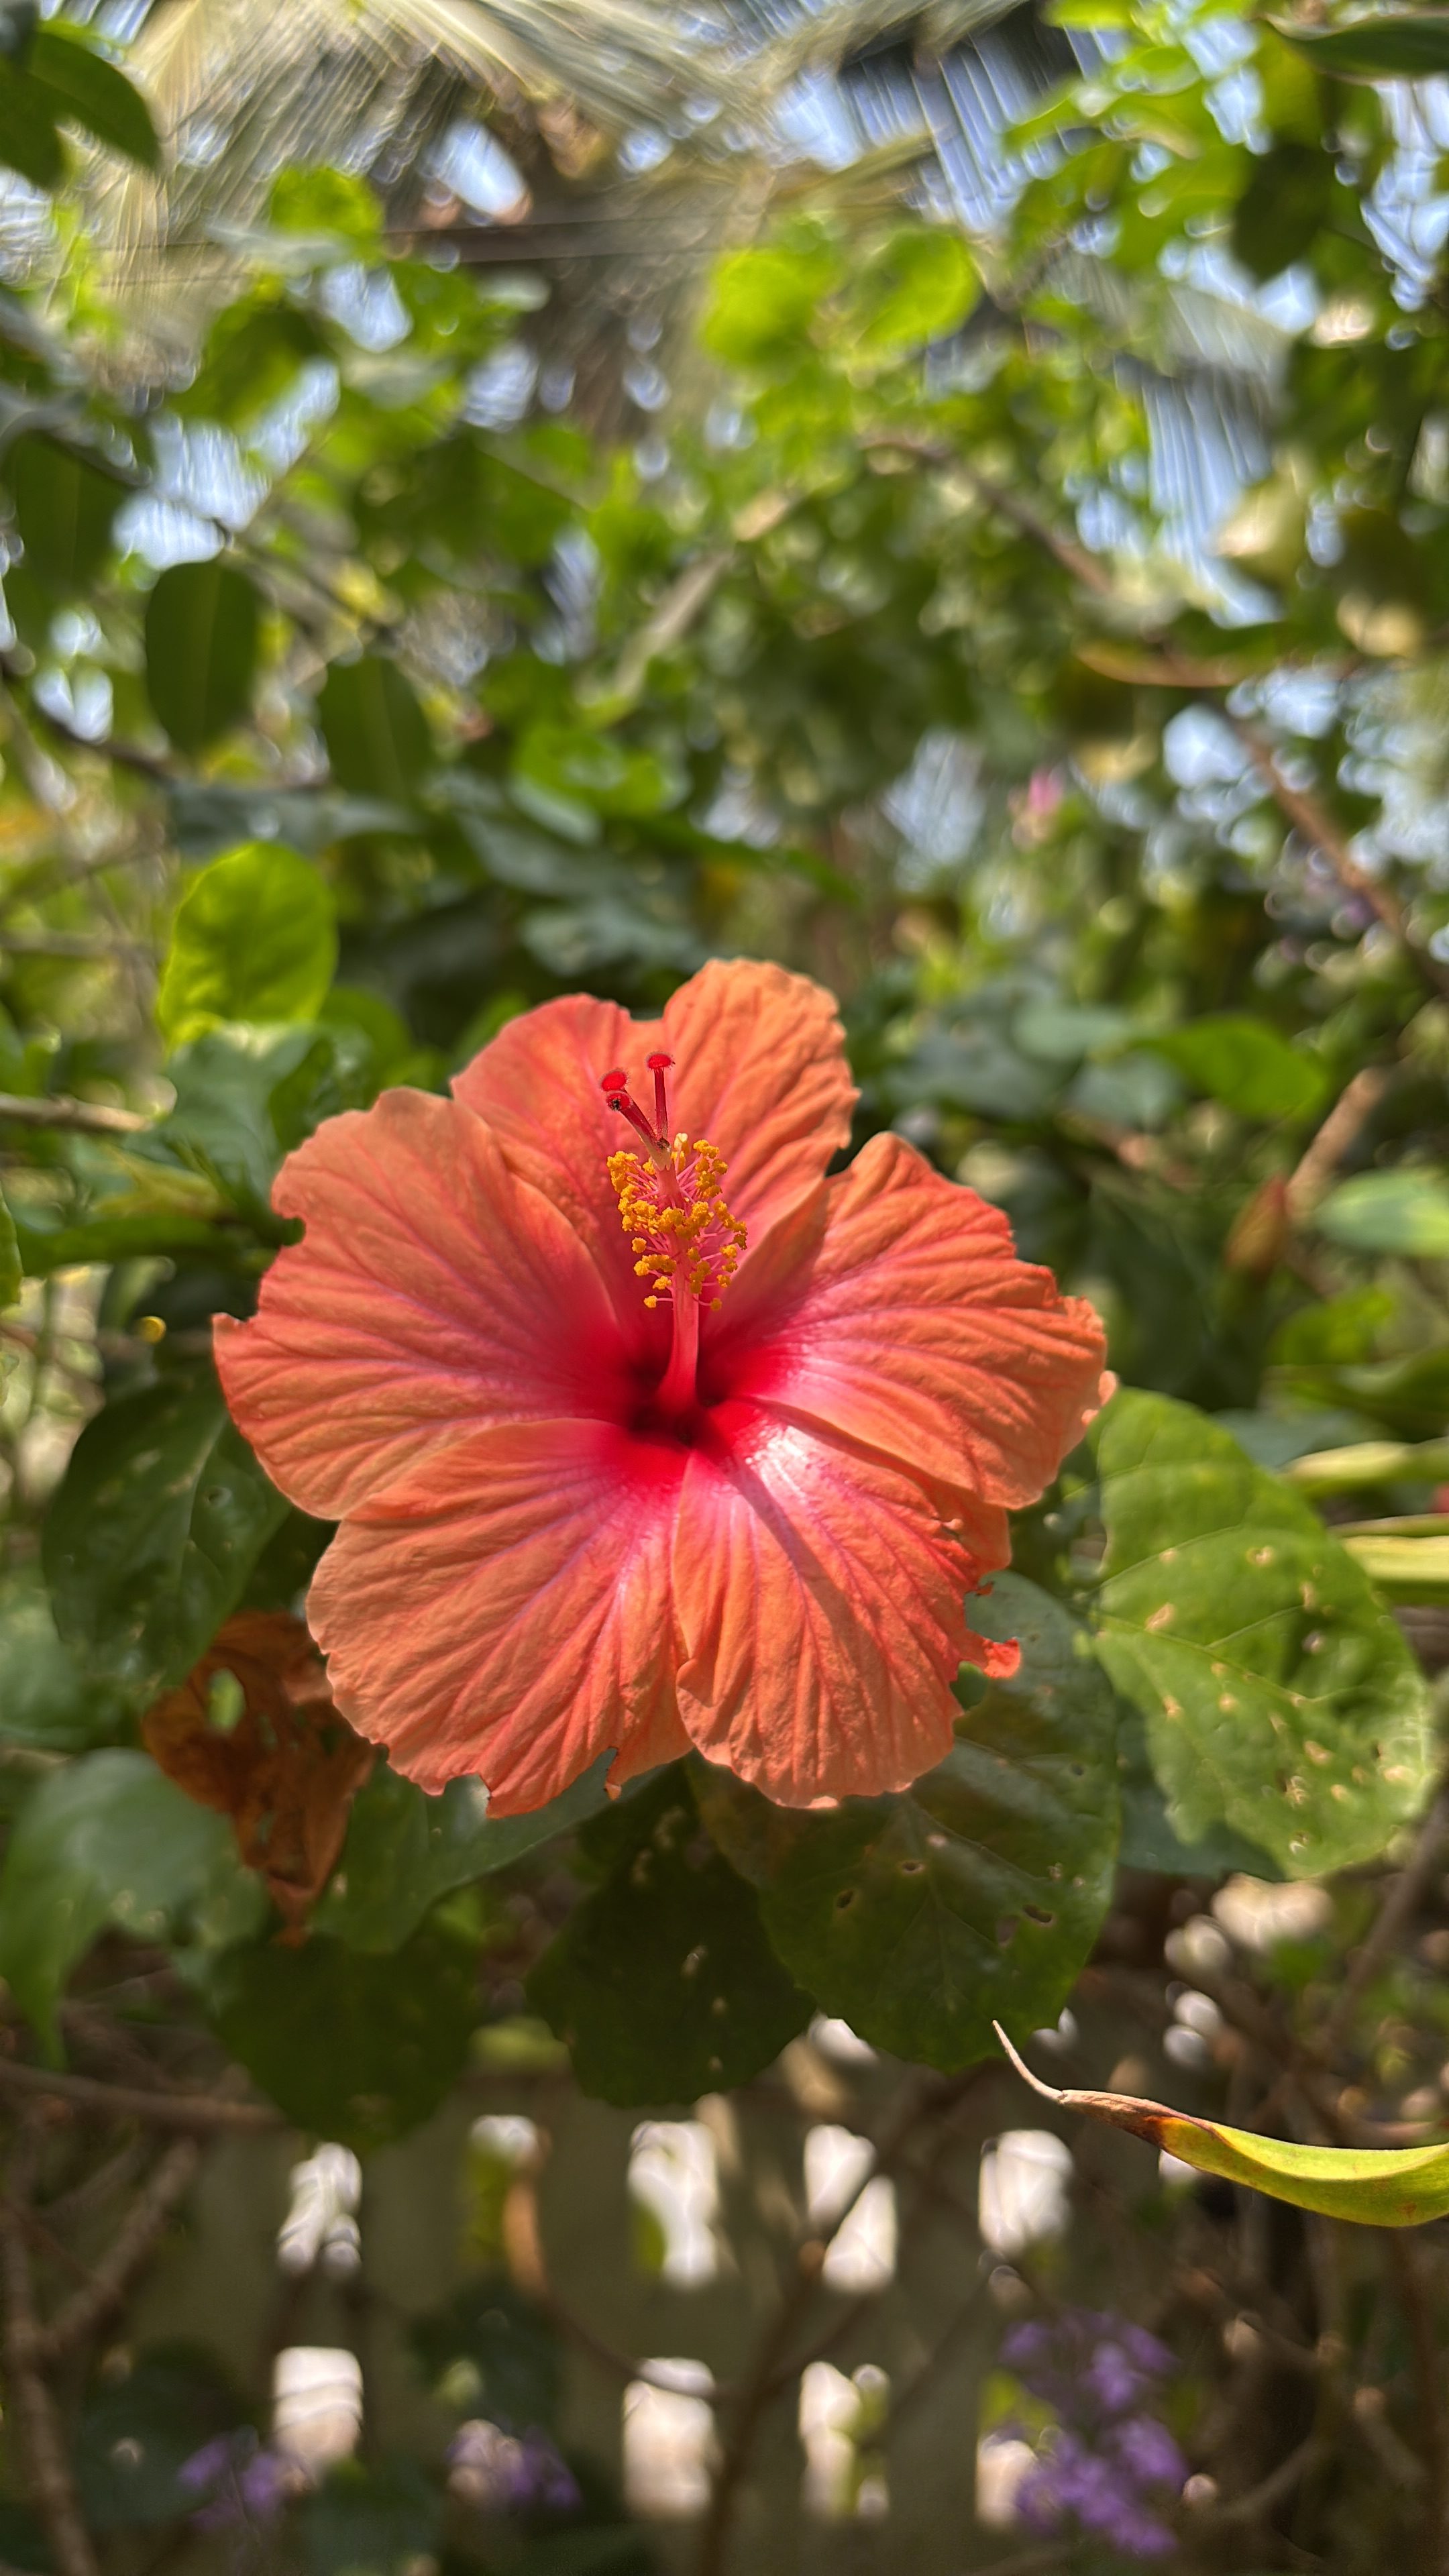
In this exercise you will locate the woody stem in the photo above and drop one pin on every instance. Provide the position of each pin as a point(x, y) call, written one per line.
point(676, 1388)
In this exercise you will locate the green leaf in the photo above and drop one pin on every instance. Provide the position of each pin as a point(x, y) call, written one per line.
point(1245, 1065)
point(255, 939)
point(491, 2351)
point(160, 1517)
point(376, 733)
point(64, 506)
point(245, 1096)
point(662, 1982)
point(349, 2047)
point(12, 1276)
point(1148, 1838)
point(568, 762)
point(137, 2432)
point(201, 650)
point(1370, 2186)
point(29, 142)
point(1375, 48)
point(46, 1702)
point(763, 302)
point(405, 1850)
point(921, 1917)
point(1278, 1696)
point(110, 1840)
point(918, 287)
point(378, 2519)
point(1398, 1212)
point(1283, 208)
point(83, 87)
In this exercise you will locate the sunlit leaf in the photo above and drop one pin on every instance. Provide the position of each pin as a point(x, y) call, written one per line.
point(1404, 1212)
point(255, 939)
point(1372, 2186)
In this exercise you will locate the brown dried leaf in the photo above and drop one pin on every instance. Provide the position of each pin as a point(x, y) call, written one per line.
point(285, 1771)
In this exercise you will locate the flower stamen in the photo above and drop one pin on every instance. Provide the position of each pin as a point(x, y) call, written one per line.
point(685, 1241)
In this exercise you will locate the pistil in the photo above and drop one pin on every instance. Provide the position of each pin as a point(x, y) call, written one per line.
point(686, 1243)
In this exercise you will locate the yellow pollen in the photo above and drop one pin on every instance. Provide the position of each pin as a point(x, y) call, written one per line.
point(679, 1225)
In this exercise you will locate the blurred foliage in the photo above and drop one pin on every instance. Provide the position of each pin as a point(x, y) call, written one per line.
point(346, 714)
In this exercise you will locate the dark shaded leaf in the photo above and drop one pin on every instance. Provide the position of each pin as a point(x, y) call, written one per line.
point(64, 506)
point(83, 87)
point(375, 731)
point(201, 650)
point(975, 1896)
point(353, 2048)
point(161, 1515)
point(662, 1982)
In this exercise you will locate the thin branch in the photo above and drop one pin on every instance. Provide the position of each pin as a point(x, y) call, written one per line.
point(1407, 2262)
point(1336, 1138)
point(131, 2102)
point(1395, 1913)
point(135, 2241)
point(125, 755)
point(79, 1117)
point(32, 2406)
point(69, 943)
point(1271, 2490)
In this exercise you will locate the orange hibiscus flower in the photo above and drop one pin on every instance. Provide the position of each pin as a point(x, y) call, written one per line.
point(642, 1433)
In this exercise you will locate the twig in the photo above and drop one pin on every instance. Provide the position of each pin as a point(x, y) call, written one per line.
point(1407, 2263)
point(1336, 1137)
point(133, 2102)
point(85, 1117)
point(31, 2404)
point(1271, 2490)
point(1389, 1923)
point(136, 2238)
point(68, 943)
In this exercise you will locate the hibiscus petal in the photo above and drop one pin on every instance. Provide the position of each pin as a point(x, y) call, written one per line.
point(893, 1312)
point(434, 1291)
point(759, 1068)
point(506, 1612)
point(819, 1601)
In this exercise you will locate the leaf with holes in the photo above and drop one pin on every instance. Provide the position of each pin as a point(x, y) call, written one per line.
point(662, 1982)
point(1278, 1696)
point(922, 1918)
point(201, 650)
point(160, 1517)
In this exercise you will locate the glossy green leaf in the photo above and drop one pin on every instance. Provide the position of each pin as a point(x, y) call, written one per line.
point(1278, 1696)
point(662, 1982)
point(1405, 45)
point(1392, 1212)
point(404, 1850)
point(255, 939)
point(202, 624)
point(81, 86)
point(1369, 2186)
point(1149, 1839)
point(64, 506)
point(354, 2048)
point(47, 1703)
point(109, 1840)
point(160, 1517)
point(1246, 1066)
point(376, 733)
point(923, 1917)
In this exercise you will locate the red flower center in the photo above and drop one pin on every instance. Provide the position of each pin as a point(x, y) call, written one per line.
point(686, 1243)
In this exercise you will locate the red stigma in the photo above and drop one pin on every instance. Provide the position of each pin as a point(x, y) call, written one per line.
point(615, 1088)
point(659, 1065)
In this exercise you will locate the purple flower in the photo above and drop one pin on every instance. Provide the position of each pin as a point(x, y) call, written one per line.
point(509, 2472)
point(1096, 2467)
point(235, 2481)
